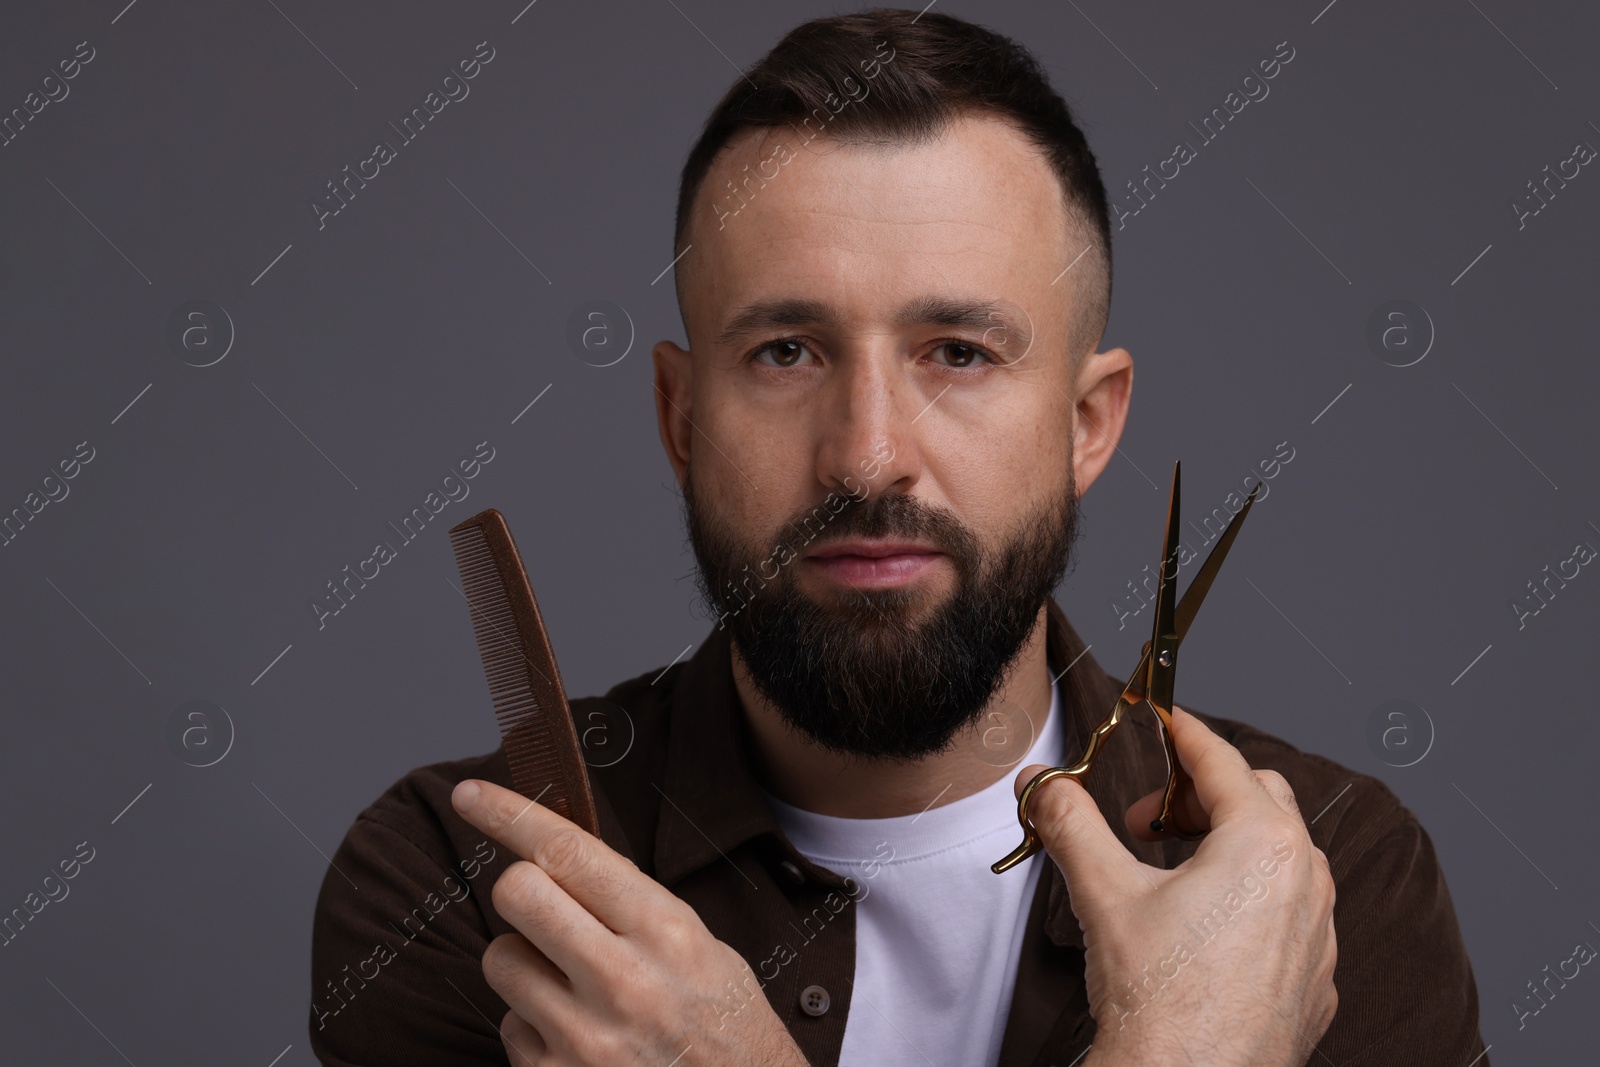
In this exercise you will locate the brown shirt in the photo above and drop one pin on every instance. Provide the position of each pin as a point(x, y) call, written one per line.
point(405, 914)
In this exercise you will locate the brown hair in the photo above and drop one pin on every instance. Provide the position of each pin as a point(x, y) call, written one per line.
point(925, 70)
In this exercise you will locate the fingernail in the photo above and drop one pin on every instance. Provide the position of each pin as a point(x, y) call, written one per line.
point(465, 795)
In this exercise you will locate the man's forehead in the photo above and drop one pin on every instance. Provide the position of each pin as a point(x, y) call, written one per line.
point(975, 214)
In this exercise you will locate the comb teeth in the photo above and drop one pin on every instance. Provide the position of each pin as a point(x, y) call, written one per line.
point(530, 705)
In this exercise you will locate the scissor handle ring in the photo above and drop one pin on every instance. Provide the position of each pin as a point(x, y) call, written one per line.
point(1031, 842)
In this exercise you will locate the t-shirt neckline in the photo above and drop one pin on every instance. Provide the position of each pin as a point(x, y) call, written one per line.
point(837, 839)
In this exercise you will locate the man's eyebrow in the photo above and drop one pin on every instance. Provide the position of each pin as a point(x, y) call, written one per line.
point(925, 311)
point(941, 311)
point(778, 315)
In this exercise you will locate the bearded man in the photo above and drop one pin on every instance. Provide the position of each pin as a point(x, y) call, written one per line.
point(894, 276)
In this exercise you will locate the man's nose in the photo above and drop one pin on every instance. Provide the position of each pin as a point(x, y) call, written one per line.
point(868, 440)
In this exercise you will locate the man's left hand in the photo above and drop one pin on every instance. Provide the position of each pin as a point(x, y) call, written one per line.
point(609, 967)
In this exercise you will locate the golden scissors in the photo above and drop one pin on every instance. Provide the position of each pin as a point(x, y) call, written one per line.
point(1152, 679)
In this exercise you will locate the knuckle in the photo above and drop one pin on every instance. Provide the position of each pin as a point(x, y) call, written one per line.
point(595, 1044)
point(684, 913)
point(499, 962)
point(1275, 783)
point(609, 1047)
point(1323, 872)
point(633, 996)
point(1050, 809)
point(563, 853)
point(676, 934)
point(1271, 779)
point(1277, 786)
point(518, 888)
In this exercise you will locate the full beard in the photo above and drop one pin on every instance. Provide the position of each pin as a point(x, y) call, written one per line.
point(857, 676)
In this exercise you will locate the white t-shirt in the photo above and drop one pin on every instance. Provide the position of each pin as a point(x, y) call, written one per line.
point(938, 934)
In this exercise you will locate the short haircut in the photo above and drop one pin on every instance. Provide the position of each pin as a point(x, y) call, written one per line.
point(941, 68)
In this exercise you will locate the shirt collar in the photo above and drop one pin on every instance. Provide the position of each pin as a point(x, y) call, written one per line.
point(713, 803)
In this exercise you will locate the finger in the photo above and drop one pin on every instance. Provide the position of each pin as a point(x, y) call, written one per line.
point(1025, 776)
point(1224, 784)
point(524, 1047)
point(535, 990)
point(608, 886)
point(1096, 865)
point(551, 920)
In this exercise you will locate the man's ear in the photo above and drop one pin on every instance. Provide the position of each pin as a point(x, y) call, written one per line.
point(1103, 389)
point(673, 386)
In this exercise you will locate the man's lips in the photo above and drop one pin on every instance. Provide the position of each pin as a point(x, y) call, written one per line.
point(874, 564)
point(873, 549)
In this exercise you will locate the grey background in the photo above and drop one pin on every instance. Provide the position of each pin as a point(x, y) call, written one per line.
point(1381, 565)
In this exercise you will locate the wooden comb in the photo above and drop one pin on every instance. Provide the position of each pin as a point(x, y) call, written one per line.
point(530, 705)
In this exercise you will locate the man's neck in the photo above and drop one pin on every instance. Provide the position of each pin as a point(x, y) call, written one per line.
point(800, 772)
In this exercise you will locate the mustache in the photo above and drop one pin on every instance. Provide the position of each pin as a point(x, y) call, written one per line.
point(891, 514)
point(732, 571)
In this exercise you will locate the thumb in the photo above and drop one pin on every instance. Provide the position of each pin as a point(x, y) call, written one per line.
point(1224, 785)
point(1098, 869)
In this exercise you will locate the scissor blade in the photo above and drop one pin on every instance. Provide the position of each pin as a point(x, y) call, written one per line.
point(1196, 593)
point(1164, 639)
point(1189, 606)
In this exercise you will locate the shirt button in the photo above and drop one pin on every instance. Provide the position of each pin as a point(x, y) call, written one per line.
point(796, 875)
point(814, 1000)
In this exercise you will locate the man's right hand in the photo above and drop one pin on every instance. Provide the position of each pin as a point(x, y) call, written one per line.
point(1225, 960)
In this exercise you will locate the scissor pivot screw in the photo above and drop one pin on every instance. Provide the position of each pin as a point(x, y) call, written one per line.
point(1165, 659)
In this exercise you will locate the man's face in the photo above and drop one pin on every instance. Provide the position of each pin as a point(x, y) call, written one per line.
point(879, 415)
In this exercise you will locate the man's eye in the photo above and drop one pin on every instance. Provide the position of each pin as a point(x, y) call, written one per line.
point(963, 355)
point(784, 353)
